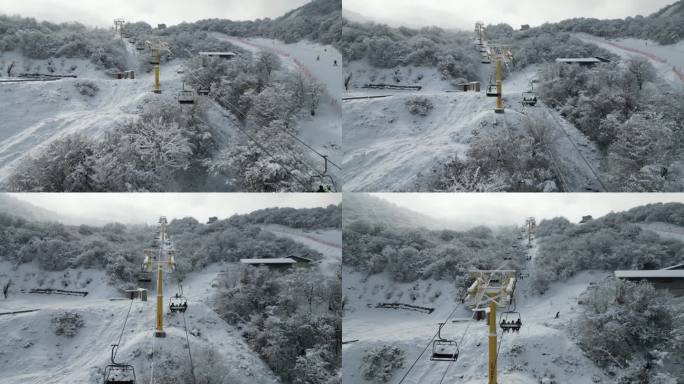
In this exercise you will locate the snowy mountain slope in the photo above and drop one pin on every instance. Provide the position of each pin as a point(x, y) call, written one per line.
point(386, 147)
point(15, 207)
point(323, 131)
point(217, 348)
point(665, 230)
point(668, 60)
point(328, 242)
point(543, 348)
point(35, 114)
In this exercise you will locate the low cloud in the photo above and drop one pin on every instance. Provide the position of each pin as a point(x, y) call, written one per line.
point(102, 13)
point(463, 14)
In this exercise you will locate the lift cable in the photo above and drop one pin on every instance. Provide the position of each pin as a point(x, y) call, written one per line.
point(426, 347)
point(154, 339)
point(286, 132)
point(122, 329)
point(279, 146)
point(187, 340)
point(460, 343)
point(287, 169)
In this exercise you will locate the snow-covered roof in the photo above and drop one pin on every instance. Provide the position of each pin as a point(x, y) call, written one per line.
point(282, 260)
point(647, 274)
point(578, 60)
point(217, 54)
point(675, 267)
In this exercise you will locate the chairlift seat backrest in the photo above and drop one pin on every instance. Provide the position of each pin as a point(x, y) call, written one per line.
point(444, 350)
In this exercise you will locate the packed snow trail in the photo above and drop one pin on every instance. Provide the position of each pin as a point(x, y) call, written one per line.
point(667, 59)
point(327, 242)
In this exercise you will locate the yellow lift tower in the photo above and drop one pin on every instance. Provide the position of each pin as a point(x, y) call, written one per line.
point(503, 56)
point(119, 27)
point(531, 226)
point(162, 255)
point(157, 47)
point(492, 288)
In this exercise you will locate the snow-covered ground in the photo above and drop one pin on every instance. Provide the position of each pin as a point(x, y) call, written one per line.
point(326, 241)
point(543, 348)
point(34, 114)
point(667, 59)
point(323, 131)
point(386, 147)
point(30, 352)
point(665, 230)
point(363, 73)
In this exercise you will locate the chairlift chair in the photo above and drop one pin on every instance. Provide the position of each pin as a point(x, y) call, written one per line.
point(444, 349)
point(144, 276)
point(514, 324)
point(323, 182)
point(529, 98)
point(186, 96)
point(203, 91)
point(178, 303)
point(117, 373)
point(492, 91)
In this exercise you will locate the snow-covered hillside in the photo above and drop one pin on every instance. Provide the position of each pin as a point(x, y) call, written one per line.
point(328, 242)
point(542, 349)
point(317, 62)
point(35, 114)
point(218, 350)
point(668, 60)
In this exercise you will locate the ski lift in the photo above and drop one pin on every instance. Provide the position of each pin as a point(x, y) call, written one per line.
point(144, 276)
point(117, 373)
point(178, 302)
point(492, 91)
point(323, 182)
point(203, 91)
point(514, 324)
point(444, 349)
point(186, 96)
point(529, 98)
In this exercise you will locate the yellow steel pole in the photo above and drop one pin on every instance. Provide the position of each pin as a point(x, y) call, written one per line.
point(499, 101)
point(157, 85)
point(159, 331)
point(492, 341)
point(529, 232)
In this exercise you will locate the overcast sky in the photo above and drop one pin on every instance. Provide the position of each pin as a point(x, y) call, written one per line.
point(463, 14)
point(512, 208)
point(147, 207)
point(102, 13)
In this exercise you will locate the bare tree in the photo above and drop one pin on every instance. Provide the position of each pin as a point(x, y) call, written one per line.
point(642, 70)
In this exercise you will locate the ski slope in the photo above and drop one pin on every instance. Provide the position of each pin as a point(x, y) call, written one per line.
point(668, 60)
point(323, 131)
point(34, 114)
point(217, 348)
point(326, 241)
point(544, 348)
point(386, 147)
